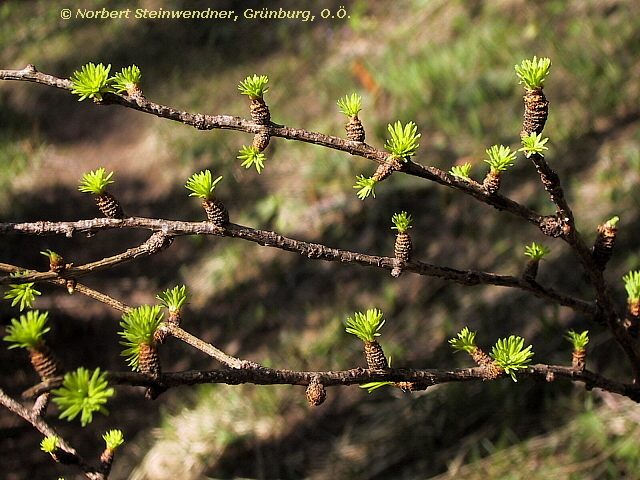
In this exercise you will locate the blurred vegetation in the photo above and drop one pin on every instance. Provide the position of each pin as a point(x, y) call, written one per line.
point(447, 66)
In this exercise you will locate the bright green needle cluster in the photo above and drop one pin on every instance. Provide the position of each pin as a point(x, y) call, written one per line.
point(174, 298)
point(252, 156)
point(462, 171)
point(404, 140)
point(28, 331)
point(127, 79)
point(95, 182)
point(510, 354)
point(613, 221)
point(91, 81)
point(83, 393)
point(578, 340)
point(113, 439)
point(533, 72)
point(49, 444)
point(53, 256)
point(464, 342)
point(401, 221)
point(632, 285)
point(202, 185)
point(366, 326)
point(500, 158)
point(533, 143)
point(350, 105)
point(535, 251)
point(254, 86)
point(21, 293)
point(366, 186)
point(140, 325)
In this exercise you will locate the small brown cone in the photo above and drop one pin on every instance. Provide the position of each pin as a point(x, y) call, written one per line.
point(536, 110)
point(41, 404)
point(260, 112)
point(632, 319)
point(162, 333)
point(578, 360)
point(383, 171)
point(158, 241)
point(260, 141)
point(402, 251)
point(216, 211)
point(150, 365)
point(375, 356)
point(149, 360)
point(355, 130)
point(135, 91)
point(491, 370)
point(491, 182)
point(531, 270)
point(45, 362)
point(106, 460)
point(71, 285)
point(56, 264)
point(316, 393)
point(109, 206)
point(603, 247)
point(407, 386)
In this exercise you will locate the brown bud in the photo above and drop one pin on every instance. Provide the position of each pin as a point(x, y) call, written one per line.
point(45, 362)
point(603, 247)
point(41, 404)
point(375, 356)
point(56, 263)
point(491, 182)
point(536, 110)
point(158, 241)
point(260, 141)
point(578, 360)
point(109, 206)
point(316, 393)
point(531, 270)
point(355, 130)
point(491, 371)
point(149, 361)
point(106, 460)
point(216, 211)
point(402, 250)
point(260, 112)
point(632, 319)
point(71, 285)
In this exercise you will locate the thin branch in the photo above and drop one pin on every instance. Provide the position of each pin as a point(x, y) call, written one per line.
point(229, 122)
point(205, 347)
point(259, 375)
point(96, 295)
point(563, 225)
point(270, 239)
point(44, 428)
point(149, 247)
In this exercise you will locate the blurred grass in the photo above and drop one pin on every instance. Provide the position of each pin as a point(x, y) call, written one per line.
point(448, 66)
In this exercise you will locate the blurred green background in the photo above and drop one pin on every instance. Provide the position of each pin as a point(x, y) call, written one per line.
point(446, 65)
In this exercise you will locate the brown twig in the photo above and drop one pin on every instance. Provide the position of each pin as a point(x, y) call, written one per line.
point(43, 427)
point(229, 122)
point(274, 240)
point(259, 375)
point(207, 348)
